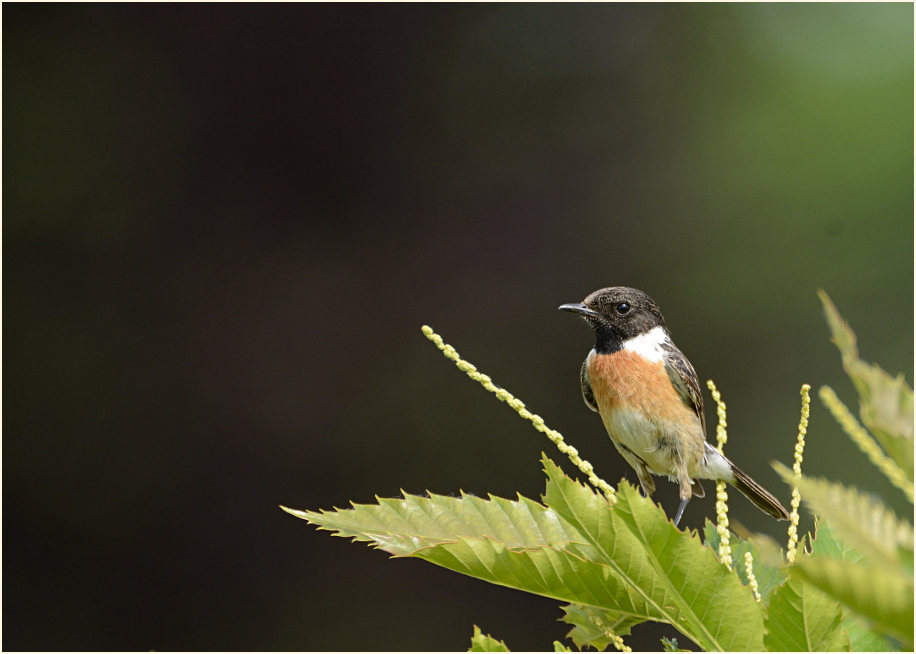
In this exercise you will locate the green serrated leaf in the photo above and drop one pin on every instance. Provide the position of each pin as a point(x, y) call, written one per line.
point(879, 594)
point(801, 618)
point(861, 520)
point(841, 333)
point(522, 545)
point(519, 544)
point(594, 627)
point(768, 576)
point(403, 526)
point(515, 544)
point(667, 575)
point(481, 642)
point(552, 573)
point(560, 647)
point(632, 562)
point(885, 402)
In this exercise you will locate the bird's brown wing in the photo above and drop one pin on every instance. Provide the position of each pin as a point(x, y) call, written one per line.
point(684, 379)
point(586, 385)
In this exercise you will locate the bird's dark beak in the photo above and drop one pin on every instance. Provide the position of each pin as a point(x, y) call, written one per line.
point(581, 309)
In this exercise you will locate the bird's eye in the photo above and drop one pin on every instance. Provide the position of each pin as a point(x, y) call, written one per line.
point(623, 308)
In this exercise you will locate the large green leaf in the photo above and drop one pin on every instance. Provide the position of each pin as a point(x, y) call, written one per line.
point(629, 561)
point(557, 574)
point(859, 519)
point(521, 545)
point(668, 575)
point(882, 596)
point(595, 628)
point(885, 402)
point(801, 618)
point(402, 526)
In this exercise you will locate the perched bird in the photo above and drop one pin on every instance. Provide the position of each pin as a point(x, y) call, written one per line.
point(649, 399)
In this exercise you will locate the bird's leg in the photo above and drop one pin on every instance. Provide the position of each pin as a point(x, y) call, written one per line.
point(685, 490)
point(680, 510)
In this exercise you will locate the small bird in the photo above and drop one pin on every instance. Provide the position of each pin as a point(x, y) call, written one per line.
point(649, 399)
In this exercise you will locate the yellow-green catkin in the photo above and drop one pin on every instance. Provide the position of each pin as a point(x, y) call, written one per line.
point(614, 638)
point(620, 645)
point(866, 443)
point(751, 577)
point(505, 396)
point(725, 550)
point(796, 468)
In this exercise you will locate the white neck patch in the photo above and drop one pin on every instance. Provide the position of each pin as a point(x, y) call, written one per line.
point(648, 345)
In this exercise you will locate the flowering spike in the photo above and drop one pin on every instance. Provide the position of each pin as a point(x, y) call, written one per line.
point(751, 577)
point(725, 550)
point(796, 468)
point(721, 433)
point(614, 638)
point(505, 396)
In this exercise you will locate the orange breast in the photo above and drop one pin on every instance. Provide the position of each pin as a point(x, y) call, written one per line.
point(626, 379)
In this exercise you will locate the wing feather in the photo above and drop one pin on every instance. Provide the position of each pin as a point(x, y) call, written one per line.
point(586, 385)
point(684, 379)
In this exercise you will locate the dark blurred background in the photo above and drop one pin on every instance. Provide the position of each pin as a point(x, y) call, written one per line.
point(225, 224)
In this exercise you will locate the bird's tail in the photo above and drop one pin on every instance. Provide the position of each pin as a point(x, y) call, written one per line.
point(757, 494)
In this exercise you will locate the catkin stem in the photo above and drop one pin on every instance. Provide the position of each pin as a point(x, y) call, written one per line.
point(725, 550)
point(796, 468)
point(505, 396)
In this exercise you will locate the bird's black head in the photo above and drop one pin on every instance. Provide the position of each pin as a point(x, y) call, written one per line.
point(617, 314)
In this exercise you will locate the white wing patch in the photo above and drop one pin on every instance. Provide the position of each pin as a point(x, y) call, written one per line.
point(715, 466)
point(648, 345)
